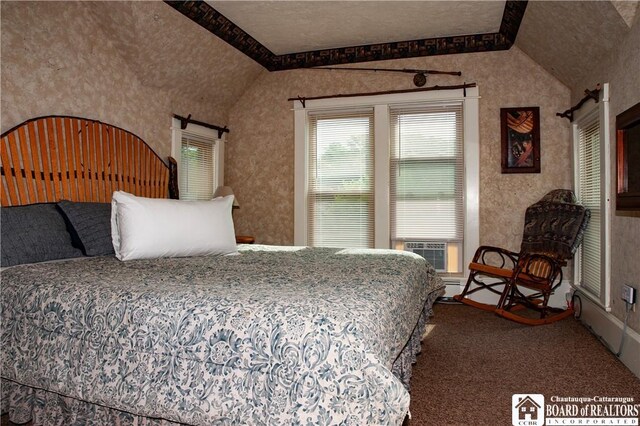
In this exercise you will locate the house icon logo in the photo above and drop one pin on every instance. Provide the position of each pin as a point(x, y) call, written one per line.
point(527, 410)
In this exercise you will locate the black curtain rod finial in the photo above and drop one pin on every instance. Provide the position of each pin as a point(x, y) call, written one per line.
point(185, 121)
point(419, 79)
point(590, 94)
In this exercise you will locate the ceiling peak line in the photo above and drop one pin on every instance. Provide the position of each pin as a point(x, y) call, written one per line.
point(511, 19)
point(212, 20)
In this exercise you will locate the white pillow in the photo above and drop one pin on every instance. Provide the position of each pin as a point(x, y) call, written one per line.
point(146, 228)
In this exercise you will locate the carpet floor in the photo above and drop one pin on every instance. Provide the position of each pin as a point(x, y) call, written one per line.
point(472, 362)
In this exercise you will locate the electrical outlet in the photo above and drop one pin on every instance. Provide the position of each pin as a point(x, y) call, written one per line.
point(629, 294)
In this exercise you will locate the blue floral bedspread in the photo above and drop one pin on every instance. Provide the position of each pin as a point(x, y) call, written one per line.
point(270, 336)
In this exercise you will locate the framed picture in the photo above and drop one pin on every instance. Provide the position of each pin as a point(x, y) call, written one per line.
point(520, 139)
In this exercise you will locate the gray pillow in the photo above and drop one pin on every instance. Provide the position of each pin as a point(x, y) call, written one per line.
point(34, 233)
point(89, 225)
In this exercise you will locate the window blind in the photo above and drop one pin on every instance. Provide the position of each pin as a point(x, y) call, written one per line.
point(427, 173)
point(590, 196)
point(340, 185)
point(196, 174)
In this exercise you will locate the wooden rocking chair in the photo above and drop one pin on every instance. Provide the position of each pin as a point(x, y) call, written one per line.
point(524, 281)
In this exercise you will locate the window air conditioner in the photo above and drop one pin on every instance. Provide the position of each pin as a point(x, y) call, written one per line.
point(434, 252)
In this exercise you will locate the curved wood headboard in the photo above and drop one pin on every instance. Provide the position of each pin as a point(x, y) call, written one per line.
point(47, 159)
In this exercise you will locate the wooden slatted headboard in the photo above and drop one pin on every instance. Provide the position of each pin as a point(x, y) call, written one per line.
point(52, 158)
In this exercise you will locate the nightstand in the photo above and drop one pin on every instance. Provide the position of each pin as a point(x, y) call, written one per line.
point(245, 239)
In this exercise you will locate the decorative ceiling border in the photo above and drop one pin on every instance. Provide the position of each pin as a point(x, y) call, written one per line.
point(212, 20)
point(207, 17)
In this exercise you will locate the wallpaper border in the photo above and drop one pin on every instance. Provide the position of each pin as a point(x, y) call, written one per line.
point(207, 17)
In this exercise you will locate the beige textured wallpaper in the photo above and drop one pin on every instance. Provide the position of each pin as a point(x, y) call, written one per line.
point(130, 64)
point(260, 154)
point(621, 70)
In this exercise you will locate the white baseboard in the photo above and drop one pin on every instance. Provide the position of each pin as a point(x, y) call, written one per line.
point(609, 328)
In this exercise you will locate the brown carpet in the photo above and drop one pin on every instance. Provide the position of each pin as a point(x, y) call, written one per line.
point(472, 362)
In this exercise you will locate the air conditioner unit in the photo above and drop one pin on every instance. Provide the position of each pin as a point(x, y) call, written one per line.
point(434, 252)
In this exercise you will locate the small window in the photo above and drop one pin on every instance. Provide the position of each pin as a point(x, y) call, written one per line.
point(199, 154)
point(591, 156)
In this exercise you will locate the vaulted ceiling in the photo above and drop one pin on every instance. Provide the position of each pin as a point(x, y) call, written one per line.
point(565, 37)
point(302, 34)
point(214, 50)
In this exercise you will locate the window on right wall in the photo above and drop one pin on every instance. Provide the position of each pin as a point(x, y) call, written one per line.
point(592, 183)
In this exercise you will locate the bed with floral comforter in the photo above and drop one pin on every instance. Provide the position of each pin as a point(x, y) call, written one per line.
point(270, 336)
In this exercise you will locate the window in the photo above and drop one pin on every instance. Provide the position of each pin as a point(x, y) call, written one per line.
point(427, 180)
point(388, 170)
point(340, 197)
point(591, 156)
point(199, 154)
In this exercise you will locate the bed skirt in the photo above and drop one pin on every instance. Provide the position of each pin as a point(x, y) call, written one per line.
point(24, 403)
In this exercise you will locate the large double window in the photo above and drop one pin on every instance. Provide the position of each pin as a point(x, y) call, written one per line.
point(390, 171)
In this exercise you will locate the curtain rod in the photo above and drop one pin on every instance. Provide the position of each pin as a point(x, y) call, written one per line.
point(419, 78)
point(590, 94)
point(184, 121)
point(388, 92)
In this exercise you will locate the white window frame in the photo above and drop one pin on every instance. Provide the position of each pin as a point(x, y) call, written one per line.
point(382, 160)
point(204, 132)
point(602, 110)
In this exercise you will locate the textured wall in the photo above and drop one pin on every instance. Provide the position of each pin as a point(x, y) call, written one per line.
point(621, 70)
point(98, 60)
point(260, 154)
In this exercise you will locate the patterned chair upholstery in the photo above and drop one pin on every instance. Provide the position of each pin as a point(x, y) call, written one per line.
point(553, 230)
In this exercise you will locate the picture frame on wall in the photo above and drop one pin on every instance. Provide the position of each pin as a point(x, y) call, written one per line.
point(520, 137)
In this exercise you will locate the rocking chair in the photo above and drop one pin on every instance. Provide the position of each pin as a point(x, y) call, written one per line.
point(553, 230)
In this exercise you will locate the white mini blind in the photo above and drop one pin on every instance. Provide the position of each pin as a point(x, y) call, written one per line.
point(196, 173)
point(590, 195)
point(427, 173)
point(340, 185)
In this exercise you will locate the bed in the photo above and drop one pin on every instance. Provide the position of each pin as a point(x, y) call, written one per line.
point(268, 335)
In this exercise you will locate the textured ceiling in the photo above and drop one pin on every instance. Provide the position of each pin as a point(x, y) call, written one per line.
point(298, 26)
point(168, 51)
point(565, 37)
point(568, 38)
point(292, 25)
